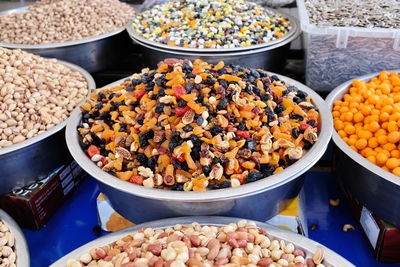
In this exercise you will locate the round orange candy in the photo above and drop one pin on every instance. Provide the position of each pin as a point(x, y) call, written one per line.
point(361, 143)
point(393, 137)
point(349, 129)
point(381, 158)
point(371, 159)
point(396, 171)
point(392, 163)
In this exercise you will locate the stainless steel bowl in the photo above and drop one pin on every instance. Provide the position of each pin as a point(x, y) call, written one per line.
point(301, 242)
point(271, 56)
point(292, 31)
point(21, 248)
point(36, 157)
point(259, 200)
point(93, 54)
point(378, 190)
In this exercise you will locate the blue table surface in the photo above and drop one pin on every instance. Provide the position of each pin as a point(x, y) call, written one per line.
point(72, 225)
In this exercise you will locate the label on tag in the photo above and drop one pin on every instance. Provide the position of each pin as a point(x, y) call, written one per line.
point(370, 227)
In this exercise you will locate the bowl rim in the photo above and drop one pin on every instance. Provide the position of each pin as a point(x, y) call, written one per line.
point(293, 32)
point(290, 173)
point(21, 247)
point(337, 94)
point(57, 128)
point(54, 45)
point(309, 245)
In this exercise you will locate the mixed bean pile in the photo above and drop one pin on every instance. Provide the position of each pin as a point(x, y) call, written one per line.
point(7, 246)
point(211, 24)
point(368, 120)
point(233, 245)
point(196, 126)
point(35, 94)
point(55, 21)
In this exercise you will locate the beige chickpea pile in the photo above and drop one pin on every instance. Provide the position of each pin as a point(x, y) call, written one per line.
point(234, 245)
point(7, 248)
point(35, 94)
point(55, 21)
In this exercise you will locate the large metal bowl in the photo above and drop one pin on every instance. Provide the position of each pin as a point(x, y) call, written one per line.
point(259, 200)
point(141, 39)
point(93, 54)
point(21, 248)
point(301, 242)
point(271, 56)
point(378, 190)
point(25, 162)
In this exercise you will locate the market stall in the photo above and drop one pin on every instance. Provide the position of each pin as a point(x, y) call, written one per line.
point(195, 133)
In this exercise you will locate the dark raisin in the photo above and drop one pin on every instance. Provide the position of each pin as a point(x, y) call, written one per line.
point(140, 121)
point(307, 145)
point(242, 126)
point(152, 163)
point(267, 169)
point(222, 71)
point(188, 128)
point(190, 76)
point(186, 68)
point(216, 130)
point(142, 159)
point(311, 123)
point(143, 140)
point(176, 134)
point(160, 108)
point(136, 82)
point(195, 140)
point(279, 108)
point(265, 97)
point(295, 116)
point(105, 115)
point(209, 81)
point(248, 89)
point(200, 121)
point(200, 98)
point(251, 144)
point(301, 94)
point(207, 170)
point(257, 90)
point(195, 153)
point(161, 92)
point(222, 104)
point(224, 184)
point(150, 134)
point(101, 96)
point(274, 78)
point(255, 73)
point(217, 160)
point(254, 176)
point(295, 132)
point(182, 103)
point(177, 187)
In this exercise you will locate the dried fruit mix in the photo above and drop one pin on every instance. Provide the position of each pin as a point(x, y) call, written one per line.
point(196, 126)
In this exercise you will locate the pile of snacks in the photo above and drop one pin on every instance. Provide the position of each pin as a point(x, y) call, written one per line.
point(211, 24)
point(35, 94)
point(55, 21)
point(368, 120)
point(196, 126)
point(7, 249)
point(236, 244)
